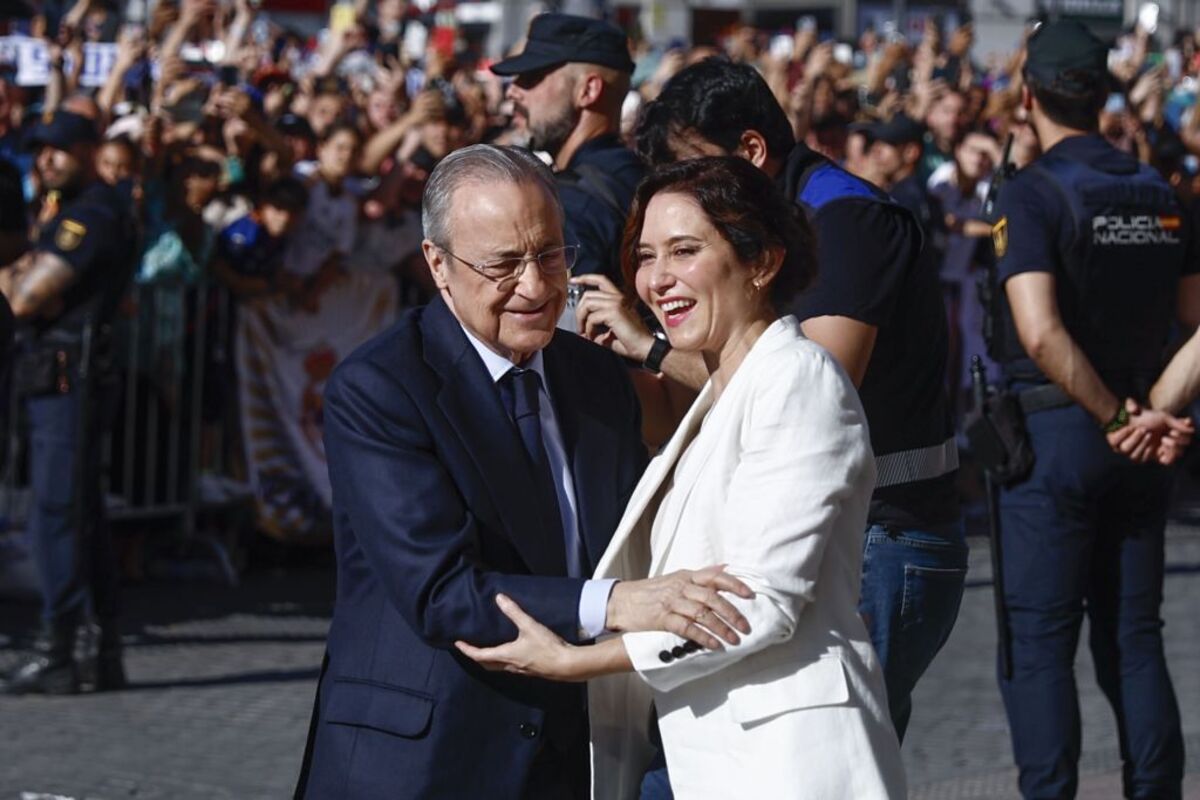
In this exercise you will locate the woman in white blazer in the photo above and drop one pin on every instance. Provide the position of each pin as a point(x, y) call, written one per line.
point(770, 473)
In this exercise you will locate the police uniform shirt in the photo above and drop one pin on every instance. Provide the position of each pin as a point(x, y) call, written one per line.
point(1122, 318)
point(590, 220)
point(870, 270)
point(93, 235)
point(249, 250)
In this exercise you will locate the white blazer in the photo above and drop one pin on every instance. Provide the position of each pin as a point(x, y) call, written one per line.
point(776, 484)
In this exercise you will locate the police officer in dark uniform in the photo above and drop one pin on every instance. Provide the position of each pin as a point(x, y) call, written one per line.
point(1094, 254)
point(569, 84)
point(64, 294)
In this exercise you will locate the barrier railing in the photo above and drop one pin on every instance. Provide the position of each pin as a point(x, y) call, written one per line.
point(169, 454)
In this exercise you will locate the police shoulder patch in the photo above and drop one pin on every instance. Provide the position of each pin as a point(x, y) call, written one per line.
point(1000, 237)
point(70, 235)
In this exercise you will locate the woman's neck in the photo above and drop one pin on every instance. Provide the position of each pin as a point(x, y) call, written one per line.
point(723, 363)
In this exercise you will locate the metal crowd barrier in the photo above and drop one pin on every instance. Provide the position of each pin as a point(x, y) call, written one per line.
point(170, 454)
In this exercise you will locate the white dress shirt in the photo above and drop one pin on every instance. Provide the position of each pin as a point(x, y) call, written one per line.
point(593, 602)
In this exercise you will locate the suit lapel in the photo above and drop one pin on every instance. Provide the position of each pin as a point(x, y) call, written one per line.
point(657, 472)
point(472, 405)
point(685, 481)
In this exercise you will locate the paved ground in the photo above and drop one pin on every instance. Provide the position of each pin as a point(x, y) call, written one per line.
point(223, 682)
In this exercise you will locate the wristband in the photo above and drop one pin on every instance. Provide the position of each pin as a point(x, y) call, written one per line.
point(1119, 420)
point(658, 351)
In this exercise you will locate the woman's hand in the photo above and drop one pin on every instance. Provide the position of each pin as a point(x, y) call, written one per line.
point(605, 316)
point(537, 652)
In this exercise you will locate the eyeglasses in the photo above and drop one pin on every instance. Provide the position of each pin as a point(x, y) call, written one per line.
point(506, 271)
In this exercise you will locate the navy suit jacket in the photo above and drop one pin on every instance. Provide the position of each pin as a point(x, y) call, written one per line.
point(432, 519)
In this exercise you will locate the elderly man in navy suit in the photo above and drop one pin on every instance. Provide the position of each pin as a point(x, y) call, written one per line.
point(475, 451)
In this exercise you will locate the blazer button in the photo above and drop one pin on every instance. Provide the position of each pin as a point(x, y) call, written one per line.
point(679, 652)
point(691, 646)
point(665, 656)
point(528, 730)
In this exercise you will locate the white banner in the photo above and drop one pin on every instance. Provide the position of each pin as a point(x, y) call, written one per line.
point(31, 57)
point(284, 356)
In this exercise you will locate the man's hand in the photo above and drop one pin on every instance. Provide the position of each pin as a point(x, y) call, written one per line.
point(605, 316)
point(687, 603)
point(428, 106)
point(1151, 434)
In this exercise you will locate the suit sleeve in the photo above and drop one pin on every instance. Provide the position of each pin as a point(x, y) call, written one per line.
point(398, 504)
point(805, 462)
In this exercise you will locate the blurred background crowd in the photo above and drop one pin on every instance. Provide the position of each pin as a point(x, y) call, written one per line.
point(279, 159)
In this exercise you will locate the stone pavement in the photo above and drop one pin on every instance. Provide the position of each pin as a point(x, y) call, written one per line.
point(223, 682)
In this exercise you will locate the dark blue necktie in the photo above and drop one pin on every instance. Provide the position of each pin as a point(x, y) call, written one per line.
point(519, 390)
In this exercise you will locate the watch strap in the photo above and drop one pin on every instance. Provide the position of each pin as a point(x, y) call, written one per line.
point(1119, 420)
point(658, 351)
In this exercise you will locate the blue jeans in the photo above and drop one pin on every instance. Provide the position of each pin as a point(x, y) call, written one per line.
point(911, 590)
point(656, 784)
point(1084, 533)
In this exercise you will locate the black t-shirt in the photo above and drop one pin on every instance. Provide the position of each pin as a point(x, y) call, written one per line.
point(94, 234)
point(870, 270)
point(1117, 268)
point(12, 199)
point(594, 216)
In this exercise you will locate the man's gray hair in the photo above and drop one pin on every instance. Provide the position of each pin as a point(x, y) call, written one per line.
point(478, 164)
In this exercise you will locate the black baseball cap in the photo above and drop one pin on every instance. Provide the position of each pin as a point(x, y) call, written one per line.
point(563, 38)
point(1067, 55)
point(900, 129)
point(294, 125)
point(62, 130)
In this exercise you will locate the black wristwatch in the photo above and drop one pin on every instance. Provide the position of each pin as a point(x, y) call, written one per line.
point(658, 351)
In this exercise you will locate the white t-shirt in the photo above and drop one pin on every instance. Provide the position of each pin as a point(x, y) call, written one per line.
point(329, 226)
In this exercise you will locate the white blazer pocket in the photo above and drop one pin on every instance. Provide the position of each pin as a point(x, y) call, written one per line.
point(759, 695)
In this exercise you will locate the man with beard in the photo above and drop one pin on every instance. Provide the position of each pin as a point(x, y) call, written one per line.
point(568, 86)
point(64, 293)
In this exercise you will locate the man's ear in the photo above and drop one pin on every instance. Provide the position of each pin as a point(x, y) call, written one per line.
point(1026, 98)
point(753, 147)
point(589, 88)
point(438, 264)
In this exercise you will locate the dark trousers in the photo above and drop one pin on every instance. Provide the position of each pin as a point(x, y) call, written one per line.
point(1085, 533)
point(560, 775)
point(68, 533)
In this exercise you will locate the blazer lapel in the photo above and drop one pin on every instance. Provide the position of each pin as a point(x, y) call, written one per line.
point(659, 469)
point(472, 405)
point(776, 336)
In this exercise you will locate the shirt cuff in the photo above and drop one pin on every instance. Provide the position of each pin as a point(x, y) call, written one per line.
point(593, 607)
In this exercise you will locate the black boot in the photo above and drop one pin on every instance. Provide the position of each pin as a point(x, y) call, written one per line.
point(103, 668)
point(51, 669)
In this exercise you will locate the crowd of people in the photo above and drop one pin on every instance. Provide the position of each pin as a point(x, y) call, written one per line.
point(278, 165)
point(321, 183)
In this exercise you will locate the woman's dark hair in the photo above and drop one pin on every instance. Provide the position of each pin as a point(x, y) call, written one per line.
point(718, 101)
point(1074, 103)
point(746, 208)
